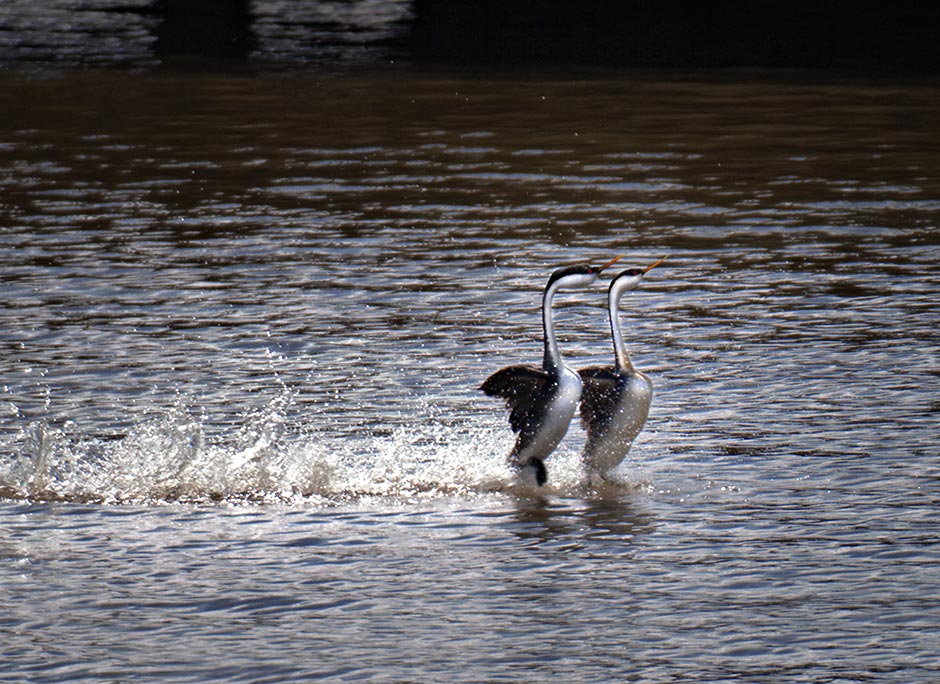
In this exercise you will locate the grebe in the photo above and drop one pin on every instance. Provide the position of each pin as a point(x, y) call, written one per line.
point(542, 400)
point(615, 399)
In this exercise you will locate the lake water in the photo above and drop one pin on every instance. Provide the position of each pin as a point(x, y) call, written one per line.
point(245, 316)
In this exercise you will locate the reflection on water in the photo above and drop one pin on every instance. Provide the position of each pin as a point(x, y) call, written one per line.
point(255, 311)
point(60, 34)
point(265, 34)
point(610, 516)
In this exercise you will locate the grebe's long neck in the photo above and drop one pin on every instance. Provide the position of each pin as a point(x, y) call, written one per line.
point(551, 361)
point(621, 356)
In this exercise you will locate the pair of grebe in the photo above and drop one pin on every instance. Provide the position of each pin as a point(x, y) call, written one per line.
point(614, 400)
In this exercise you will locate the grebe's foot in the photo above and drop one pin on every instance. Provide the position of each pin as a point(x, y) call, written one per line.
point(541, 474)
point(601, 483)
point(532, 468)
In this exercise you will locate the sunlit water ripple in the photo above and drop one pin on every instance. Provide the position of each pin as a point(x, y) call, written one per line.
point(255, 312)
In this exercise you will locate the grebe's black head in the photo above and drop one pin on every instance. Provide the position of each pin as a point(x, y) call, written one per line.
point(580, 275)
point(630, 278)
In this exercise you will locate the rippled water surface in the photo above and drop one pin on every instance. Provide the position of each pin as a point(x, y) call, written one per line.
point(243, 322)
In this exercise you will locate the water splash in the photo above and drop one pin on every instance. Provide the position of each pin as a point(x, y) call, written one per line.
point(267, 458)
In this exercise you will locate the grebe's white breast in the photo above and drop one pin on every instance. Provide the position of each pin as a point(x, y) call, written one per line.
point(556, 416)
point(608, 446)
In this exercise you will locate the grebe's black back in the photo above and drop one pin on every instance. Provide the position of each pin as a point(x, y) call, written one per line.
point(615, 400)
point(542, 400)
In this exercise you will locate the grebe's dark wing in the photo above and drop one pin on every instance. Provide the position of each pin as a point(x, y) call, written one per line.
point(598, 396)
point(519, 386)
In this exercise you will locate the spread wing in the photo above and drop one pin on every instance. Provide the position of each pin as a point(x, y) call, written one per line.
point(519, 386)
point(597, 396)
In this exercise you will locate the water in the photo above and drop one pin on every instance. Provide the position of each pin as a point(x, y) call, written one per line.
point(244, 318)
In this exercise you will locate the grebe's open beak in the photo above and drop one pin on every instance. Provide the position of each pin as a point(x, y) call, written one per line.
point(651, 266)
point(611, 263)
